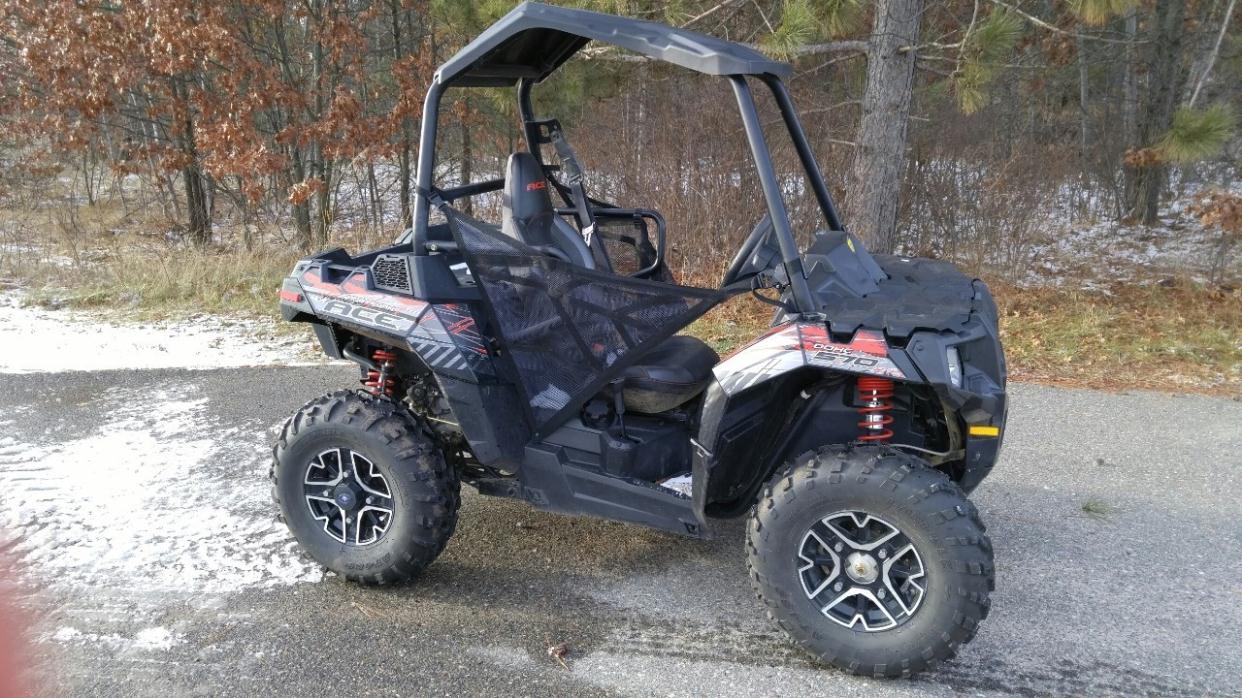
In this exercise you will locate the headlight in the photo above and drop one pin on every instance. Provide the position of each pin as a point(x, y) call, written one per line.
point(955, 366)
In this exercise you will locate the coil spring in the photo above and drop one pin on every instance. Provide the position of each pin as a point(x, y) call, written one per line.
point(876, 395)
point(379, 382)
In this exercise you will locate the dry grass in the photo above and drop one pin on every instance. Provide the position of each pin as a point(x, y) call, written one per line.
point(1175, 336)
point(173, 282)
point(104, 258)
point(1096, 508)
point(1166, 337)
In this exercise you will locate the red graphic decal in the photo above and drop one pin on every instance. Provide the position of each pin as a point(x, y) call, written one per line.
point(356, 286)
point(291, 296)
point(815, 338)
point(788, 327)
point(870, 341)
point(356, 283)
point(461, 325)
point(536, 186)
point(810, 335)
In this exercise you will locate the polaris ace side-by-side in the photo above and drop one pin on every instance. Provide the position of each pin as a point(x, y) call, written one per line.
point(537, 358)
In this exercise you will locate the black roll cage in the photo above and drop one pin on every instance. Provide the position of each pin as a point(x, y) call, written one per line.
point(491, 43)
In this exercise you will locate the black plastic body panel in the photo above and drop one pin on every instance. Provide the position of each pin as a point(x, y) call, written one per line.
point(651, 449)
point(981, 455)
point(552, 482)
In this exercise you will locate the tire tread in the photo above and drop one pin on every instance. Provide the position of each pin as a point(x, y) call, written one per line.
point(960, 531)
point(413, 445)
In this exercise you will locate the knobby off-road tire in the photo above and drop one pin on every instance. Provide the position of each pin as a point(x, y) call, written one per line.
point(924, 504)
point(425, 492)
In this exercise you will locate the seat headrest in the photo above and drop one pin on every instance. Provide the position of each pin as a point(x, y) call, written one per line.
point(526, 189)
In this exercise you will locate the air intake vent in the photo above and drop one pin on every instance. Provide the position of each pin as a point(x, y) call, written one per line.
point(391, 272)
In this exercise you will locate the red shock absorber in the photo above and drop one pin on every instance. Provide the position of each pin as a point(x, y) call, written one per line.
point(876, 394)
point(379, 382)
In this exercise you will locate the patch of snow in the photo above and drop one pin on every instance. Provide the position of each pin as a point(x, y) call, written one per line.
point(1104, 244)
point(156, 639)
point(148, 500)
point(66, 634)
point(1090, 254)
point(33, 340)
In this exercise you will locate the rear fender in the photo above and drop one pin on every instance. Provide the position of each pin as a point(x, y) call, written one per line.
point(443, 335)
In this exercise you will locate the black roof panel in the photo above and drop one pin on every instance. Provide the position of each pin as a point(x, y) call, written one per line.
point(534, 39)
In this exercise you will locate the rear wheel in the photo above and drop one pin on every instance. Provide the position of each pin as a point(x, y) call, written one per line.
point(873, 561)
point(364, 488)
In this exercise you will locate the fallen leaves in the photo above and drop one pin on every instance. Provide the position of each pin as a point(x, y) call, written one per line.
point(558, 653)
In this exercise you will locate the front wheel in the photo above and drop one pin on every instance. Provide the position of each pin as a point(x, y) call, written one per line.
point(873, 561)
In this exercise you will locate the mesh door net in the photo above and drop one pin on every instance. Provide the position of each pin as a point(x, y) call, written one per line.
point(569, 330)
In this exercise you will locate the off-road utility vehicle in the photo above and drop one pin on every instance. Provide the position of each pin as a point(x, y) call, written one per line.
point(537, 358)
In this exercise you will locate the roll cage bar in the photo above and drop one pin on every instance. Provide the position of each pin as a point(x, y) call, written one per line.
point(533, 40)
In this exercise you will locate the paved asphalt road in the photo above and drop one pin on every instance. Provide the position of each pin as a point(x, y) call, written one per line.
point(136, 503)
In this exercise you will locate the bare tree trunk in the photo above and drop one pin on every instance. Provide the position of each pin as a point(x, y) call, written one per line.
point(373, 200)
point(192, 174)
point(1129, 106)
point(323, 85)
point(1163, 90)
point(301, 209)
point(246, 211)
point(467, 156)
point(1084, 97)
point(323, 199)
point(880, 156)
point(403, 165)
point(196, 205)
point(1129, 112)
point(1210, 60)
point(403, 153)
point(88, 179)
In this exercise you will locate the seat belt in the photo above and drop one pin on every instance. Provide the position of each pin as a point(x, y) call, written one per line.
point(573, 172)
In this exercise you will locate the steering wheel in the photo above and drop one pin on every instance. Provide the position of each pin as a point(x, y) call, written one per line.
point(757, 235)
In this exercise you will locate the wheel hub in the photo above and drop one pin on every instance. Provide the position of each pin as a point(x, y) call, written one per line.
point(861, 571)
point(861, 568)
point(345, 497)
point(349, 495)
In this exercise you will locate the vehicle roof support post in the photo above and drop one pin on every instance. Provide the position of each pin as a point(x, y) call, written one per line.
point(801, 293)
point(814, 175)
point(526, 110)
point(426, 161)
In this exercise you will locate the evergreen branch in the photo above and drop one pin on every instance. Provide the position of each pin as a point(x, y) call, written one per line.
point(843, 46)
point(970, 29)
point(712, 11)
point(1057, 30)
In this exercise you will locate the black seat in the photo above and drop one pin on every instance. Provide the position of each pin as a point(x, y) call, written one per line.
point(529, 217)
point(675, 371)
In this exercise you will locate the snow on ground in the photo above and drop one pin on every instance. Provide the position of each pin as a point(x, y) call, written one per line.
point(34, 340)
point(1110, 251)
point(1090, 253)
point(154, 639)
point(152, 498)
